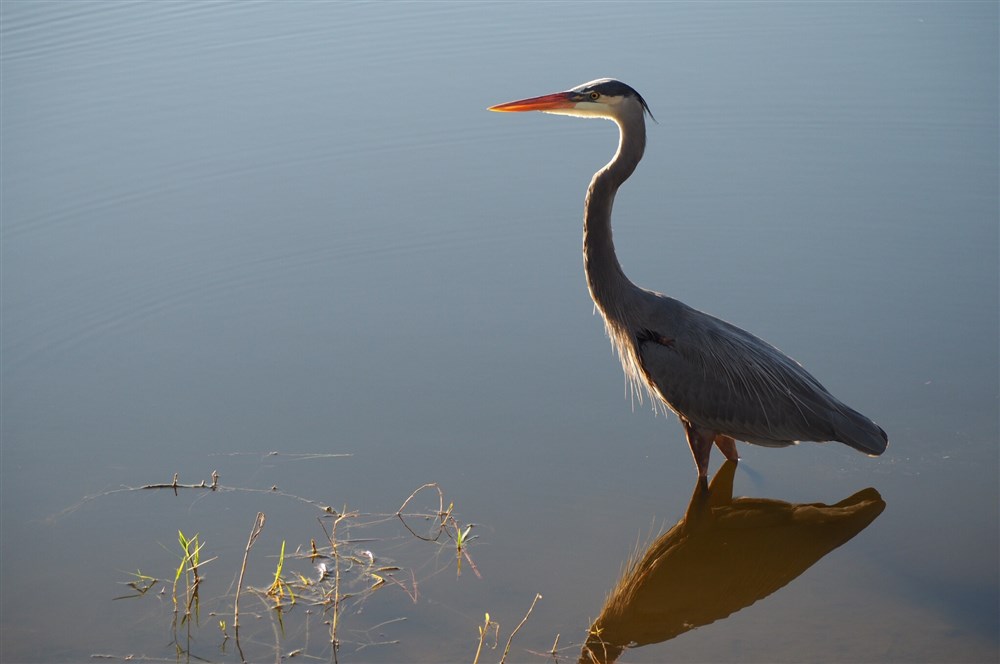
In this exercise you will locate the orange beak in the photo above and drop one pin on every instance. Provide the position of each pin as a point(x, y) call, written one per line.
point(543, 103)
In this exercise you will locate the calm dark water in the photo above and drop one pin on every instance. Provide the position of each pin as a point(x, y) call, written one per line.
point(236, 229)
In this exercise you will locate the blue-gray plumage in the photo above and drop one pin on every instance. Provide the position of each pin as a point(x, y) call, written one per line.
point(723, 383)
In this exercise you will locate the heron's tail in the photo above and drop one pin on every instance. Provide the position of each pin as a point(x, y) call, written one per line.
point(854, 429)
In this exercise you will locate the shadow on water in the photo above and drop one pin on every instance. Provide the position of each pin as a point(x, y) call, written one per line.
point(722, 556)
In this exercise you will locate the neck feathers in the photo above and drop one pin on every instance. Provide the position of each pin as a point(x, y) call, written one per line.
point(605, 278)
point(612, 292)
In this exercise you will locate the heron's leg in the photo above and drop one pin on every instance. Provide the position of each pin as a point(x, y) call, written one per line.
point(727, 446)
point(701, 448)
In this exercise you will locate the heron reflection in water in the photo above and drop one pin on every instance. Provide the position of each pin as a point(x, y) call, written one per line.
point(724, 383)
point(724, 555)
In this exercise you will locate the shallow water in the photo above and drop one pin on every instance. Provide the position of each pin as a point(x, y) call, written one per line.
point(233, 229)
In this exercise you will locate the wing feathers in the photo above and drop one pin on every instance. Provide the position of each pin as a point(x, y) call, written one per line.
point(722, 378)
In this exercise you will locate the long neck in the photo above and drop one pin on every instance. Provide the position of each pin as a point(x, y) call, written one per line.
point(608, 284)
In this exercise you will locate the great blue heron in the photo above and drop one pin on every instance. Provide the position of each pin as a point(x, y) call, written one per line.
point(723, 383)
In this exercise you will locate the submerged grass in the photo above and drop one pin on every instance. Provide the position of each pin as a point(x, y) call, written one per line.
point(140, 584)
point(345, 573)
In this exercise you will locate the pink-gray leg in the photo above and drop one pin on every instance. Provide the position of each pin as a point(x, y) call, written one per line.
point(701, 448)
point(701, 442)
point(727, 446)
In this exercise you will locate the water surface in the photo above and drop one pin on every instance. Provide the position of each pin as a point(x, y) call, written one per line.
point(233, 229)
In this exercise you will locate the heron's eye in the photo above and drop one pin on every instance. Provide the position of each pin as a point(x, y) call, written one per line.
point(594, 96)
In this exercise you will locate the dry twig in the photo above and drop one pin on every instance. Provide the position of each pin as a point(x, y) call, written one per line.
point(258, 525)
point(506, 649)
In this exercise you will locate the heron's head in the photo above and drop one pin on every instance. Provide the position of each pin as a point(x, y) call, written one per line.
point(603, 98)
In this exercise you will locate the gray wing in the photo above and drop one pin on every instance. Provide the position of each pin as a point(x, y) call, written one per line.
point(722, 378)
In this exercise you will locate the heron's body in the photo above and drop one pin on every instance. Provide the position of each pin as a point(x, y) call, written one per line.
point(721, 381)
